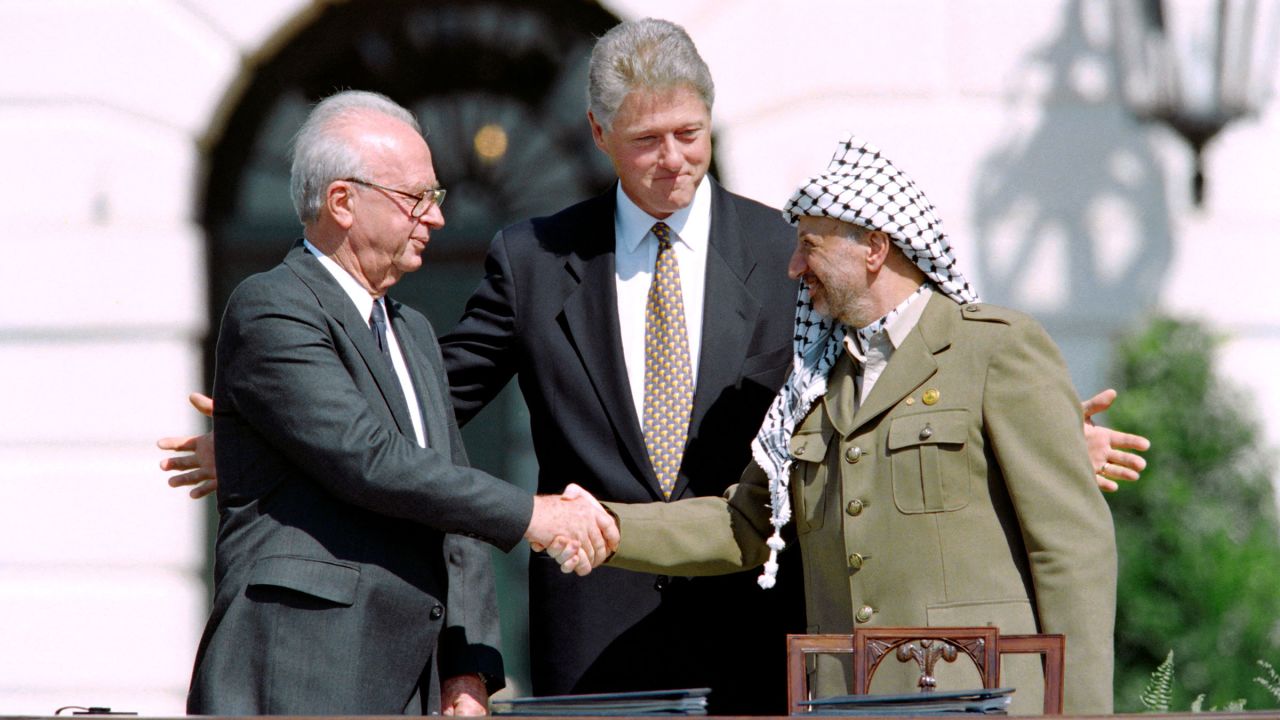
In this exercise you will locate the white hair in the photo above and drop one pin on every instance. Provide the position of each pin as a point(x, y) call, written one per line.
point(322, 154)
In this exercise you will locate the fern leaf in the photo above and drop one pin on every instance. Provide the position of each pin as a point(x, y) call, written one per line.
point(1159, 690)
point(1270, 681)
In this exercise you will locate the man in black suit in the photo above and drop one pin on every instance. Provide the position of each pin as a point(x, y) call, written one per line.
point(340, 585)
point(564, 306)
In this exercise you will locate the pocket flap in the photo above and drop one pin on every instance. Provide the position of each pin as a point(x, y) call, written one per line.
point(946, 427)
point(1012, 615)
point(324, 579)
point(809, 446)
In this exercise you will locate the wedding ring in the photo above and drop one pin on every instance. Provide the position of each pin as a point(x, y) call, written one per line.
point(1103, 470)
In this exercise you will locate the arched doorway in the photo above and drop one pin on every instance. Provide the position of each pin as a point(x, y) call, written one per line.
point(500, 87)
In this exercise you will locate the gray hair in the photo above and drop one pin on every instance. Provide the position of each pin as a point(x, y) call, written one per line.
point(322, 154)
point(648, 54)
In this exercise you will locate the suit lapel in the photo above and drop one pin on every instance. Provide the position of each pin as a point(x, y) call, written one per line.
point(335, 301)
point(842, 387)
point(590, 320)
point(427, 385)
point(729, 312)
point(911, 364)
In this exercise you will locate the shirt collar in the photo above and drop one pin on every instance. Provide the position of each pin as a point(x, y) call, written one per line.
point(352, 287)
point(898, 322)
point(632, 224)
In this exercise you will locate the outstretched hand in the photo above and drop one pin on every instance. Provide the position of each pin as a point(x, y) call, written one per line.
point(1107, 447)
point(574, 528)
point(199, 466)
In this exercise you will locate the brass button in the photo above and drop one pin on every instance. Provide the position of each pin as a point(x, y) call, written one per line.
point(854, 508)
point(931, 396)
point(864, 614)
point(971, 308)
point(853, 454)
point(798, 450)
point(855, 561)
point(437, 612)
point(926, 433)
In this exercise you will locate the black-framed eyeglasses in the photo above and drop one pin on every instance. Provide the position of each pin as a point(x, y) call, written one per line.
point(424, 200)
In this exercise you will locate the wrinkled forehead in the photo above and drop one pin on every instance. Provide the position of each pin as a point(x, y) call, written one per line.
point(679, 100)
point(389, 147)
point(823, 224)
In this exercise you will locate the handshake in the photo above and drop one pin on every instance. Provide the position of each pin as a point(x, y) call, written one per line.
point(574, 528)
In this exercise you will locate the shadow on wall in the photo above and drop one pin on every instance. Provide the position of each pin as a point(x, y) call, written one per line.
point(1071, 217)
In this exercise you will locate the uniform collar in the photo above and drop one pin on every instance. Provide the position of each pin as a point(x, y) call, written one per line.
point(896, 324)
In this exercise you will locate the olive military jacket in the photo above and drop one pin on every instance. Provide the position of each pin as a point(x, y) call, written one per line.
point(959, 494)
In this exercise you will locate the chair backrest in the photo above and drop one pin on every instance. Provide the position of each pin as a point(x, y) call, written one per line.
point(869, 646)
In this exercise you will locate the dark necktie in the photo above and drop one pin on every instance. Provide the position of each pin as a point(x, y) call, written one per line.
point(668, 380)
point(378, 323)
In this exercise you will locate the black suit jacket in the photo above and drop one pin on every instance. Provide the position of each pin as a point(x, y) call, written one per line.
point(546, 312)
point(336, 584)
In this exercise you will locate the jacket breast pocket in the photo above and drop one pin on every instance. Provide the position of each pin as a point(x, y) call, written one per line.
point(929, 463)
point(323, 579)
point(809, 486)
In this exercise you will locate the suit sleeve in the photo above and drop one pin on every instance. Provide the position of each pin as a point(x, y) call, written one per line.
point(480, 354)
point(280, 371)
point(697, 536)
point(1034, 424)
point(471, 641)
point(472, 638)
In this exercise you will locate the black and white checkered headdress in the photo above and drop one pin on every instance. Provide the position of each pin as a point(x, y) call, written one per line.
point(862, 187)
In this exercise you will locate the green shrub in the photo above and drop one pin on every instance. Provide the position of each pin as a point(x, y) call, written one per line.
point(1198, 536)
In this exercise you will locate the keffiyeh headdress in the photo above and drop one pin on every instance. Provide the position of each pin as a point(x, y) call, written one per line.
point(860, 187)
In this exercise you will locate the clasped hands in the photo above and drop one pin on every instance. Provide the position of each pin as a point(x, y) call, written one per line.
point(574, 528)
point(579, 533)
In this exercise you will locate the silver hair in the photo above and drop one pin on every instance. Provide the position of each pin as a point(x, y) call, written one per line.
point(322, 154)
point(648, 54)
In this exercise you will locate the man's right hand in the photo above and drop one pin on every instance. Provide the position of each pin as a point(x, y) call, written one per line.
point(576, 524)
point(200, 468)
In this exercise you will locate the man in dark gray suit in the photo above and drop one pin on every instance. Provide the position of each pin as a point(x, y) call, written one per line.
point(340, 585)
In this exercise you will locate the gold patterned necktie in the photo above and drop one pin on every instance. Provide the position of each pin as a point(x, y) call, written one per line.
point(668, 380)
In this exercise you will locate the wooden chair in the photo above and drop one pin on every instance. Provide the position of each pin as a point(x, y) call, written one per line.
point(869, 646)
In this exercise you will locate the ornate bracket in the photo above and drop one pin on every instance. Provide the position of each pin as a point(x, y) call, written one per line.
point(926, 652)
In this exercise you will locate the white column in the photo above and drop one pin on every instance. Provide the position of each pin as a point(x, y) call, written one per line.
point(102, 106)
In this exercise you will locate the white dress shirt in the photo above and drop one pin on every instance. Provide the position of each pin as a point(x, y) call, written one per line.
point(364, 305)
point(636, 252)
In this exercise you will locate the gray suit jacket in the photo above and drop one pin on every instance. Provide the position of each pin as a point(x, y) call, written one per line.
point(338, 586)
